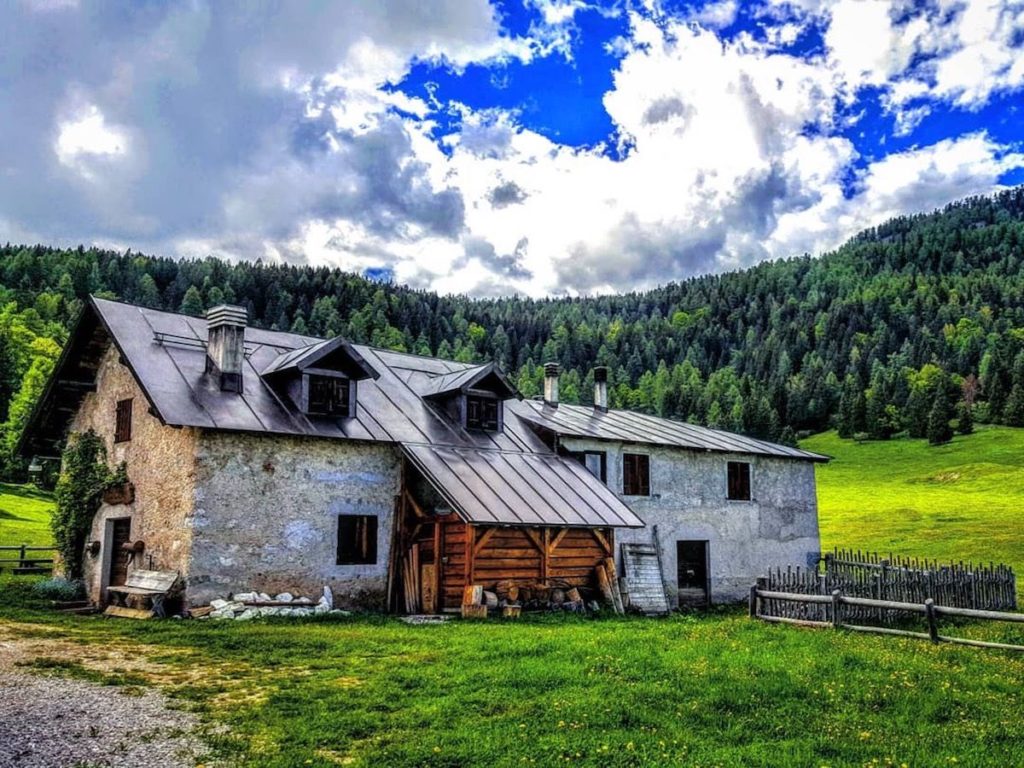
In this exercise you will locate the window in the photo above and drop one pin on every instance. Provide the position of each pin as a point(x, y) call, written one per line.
point(123, 421)
point(596, 463)
point(636, 474)
point(739, 481)
point(357, 539)
point(328, 396)
point(482, 413)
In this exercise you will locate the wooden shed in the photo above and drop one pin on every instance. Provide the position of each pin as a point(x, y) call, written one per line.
point(471, 517)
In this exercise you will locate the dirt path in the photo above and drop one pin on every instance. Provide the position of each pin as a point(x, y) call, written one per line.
point(48, 718)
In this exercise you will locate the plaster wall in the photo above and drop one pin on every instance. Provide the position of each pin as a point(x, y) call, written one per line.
point(160, 462)
point(266, 516)
point(688, 501)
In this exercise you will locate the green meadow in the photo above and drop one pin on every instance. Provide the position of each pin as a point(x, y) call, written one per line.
point(961, 501)
point(24, 516)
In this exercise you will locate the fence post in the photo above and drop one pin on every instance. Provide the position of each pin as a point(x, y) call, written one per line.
point(933, 627)
point(21, 557)
point(753, 602)
point(837, 611)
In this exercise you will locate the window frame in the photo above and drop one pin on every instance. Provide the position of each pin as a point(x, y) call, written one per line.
point(642, 487)
point(603, 456)
point(123, 420)
point(349, 549)
point(342, 404)
point(482, 424)
point(744, 482)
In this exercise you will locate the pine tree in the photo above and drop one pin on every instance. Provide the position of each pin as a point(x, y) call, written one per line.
point(965, 418)
point(192, 303)
point(939, 431)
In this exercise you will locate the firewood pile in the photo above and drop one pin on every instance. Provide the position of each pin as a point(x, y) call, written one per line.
point(509, 598)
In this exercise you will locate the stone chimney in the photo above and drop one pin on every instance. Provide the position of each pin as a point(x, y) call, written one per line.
point(225, 348)
point(601, 389)
point(551, 384)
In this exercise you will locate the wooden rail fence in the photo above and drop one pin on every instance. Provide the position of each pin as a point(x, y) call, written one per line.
point(839, 611)
point(23, 561)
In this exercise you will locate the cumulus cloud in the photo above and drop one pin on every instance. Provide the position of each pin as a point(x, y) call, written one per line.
point(279, 131)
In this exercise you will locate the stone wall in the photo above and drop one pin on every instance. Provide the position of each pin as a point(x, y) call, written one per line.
point(160, 463)
point(267, 510)
point(779, 526)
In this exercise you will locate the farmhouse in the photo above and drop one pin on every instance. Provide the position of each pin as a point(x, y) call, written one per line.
point(272, 461)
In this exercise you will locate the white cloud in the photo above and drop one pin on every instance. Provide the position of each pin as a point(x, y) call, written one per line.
point(87, 135)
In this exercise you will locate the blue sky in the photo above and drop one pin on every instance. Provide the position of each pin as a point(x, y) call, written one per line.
point(543, 147)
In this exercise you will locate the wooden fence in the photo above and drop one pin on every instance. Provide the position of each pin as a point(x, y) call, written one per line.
point(22, 560)
point(839, 611)
point(902, 580)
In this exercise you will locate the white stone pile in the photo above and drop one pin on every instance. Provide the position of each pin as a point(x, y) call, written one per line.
point(242, 606)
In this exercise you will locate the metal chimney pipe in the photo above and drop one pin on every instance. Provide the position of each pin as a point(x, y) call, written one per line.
point(601, 389)
point(225, 347)
point(551, 384)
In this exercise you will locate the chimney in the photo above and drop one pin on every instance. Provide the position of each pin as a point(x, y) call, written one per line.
point(601, 389)
point(225, 348)
point(551, 384)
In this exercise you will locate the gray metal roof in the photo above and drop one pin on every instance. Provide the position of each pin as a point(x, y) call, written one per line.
point(631, 427)
point(514, 488)
point(465, 379)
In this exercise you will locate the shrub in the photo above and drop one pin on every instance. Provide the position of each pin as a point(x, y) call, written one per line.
point(82, 480)
point(59, 588)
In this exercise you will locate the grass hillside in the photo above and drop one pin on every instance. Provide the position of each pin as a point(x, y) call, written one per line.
point(24, 516)
point(961, 501)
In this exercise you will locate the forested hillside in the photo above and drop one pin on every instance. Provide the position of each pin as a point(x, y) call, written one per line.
point(914, 325)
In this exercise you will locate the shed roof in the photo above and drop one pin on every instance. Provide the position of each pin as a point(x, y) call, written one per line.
point(632, 427)
point(514, 488)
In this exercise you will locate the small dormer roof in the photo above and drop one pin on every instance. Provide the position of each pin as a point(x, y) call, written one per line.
point(309, 356)
point(471, 378)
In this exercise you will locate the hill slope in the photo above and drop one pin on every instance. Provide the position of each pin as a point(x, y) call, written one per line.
point(960, 501)
point(25, 516)
point(868, 337)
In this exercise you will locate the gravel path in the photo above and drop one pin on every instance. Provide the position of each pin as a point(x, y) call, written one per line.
point(48, 721)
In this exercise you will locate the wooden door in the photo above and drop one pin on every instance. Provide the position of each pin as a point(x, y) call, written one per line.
point(121, 530)
point(692, 573)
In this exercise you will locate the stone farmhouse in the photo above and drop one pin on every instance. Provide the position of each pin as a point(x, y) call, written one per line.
point(272, 461)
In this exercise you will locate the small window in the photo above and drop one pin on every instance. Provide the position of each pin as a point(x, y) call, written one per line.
point(482, 413)
point(739, 481)
point(596, 463)
point(328, 396)
point(636, 474)
point(357, 539)
point(123, 421)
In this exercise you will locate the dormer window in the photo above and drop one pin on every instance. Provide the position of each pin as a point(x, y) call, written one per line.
point(482, 413)
point(329, 396)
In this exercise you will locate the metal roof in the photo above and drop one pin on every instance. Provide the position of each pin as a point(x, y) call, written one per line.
point(631, 427)
point(514, 488)
point(304, 357)
point(465, 379)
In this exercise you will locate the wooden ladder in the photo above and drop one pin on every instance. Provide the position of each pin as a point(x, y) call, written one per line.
point(641, 564)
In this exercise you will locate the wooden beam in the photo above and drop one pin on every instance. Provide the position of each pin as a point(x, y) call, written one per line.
point(414, 506)
point(538, 542)
point(557, 540)
point(545, 556)
point(482, 541)
point(605, 545)
point(470, 551)
point(438, 565)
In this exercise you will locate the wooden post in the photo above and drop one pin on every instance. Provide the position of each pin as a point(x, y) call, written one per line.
point(837, 609)
point(933, 625)
point(753, 602)
point(21, 557)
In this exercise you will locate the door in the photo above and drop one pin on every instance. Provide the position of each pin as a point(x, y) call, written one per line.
point(120, 534)
point(692, 574)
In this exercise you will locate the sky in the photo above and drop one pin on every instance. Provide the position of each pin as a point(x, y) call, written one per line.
point(497, 147)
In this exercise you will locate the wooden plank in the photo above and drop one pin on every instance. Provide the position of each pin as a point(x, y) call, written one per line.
point(428, 587)
point(120, 612)
point(482, 540)
point(605, 544)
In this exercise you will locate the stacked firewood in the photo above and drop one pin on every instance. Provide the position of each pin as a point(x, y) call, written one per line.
point(509, 598)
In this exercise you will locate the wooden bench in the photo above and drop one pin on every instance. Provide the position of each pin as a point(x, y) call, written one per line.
point(152, 587)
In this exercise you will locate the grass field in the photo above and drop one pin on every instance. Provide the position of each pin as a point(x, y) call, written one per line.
point(962, 501)
point(24, 516)
point(720, 690)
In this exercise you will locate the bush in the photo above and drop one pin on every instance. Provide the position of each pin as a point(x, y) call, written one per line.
point(59, 588)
